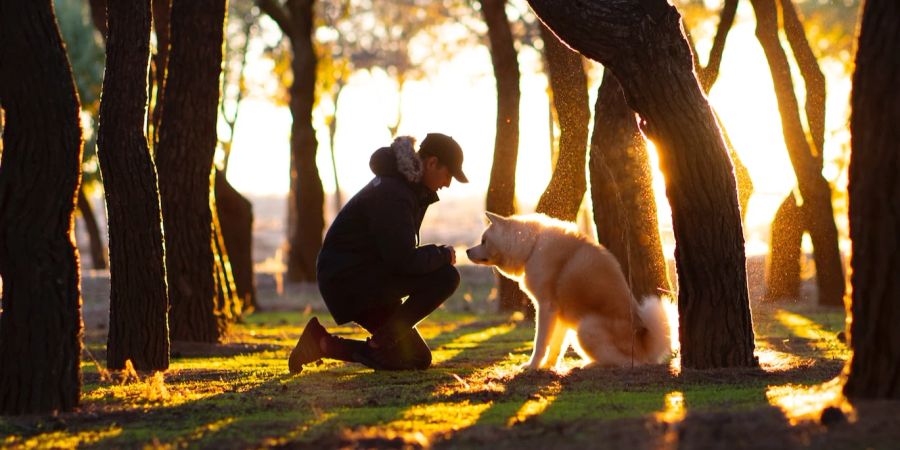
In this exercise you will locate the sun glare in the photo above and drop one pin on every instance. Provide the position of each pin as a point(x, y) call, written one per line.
point(801, 403)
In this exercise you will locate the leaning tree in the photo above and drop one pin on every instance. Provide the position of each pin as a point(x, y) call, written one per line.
point(40, 170)
point(874, 187)
point(642, 43)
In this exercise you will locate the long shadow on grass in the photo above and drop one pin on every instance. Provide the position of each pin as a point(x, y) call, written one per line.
point(393, 399)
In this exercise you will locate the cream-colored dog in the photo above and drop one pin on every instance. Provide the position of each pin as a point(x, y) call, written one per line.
point(575, 285)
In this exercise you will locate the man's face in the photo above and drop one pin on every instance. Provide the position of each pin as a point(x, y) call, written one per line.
point(435, 175)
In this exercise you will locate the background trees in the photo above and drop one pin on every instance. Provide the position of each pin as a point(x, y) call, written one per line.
point(501, 195)
point(40, 170)
point(306, 198)
point(817, 213)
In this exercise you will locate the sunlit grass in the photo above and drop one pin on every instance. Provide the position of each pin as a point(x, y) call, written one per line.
point(805, 328)
point(476, 385)
point(807, 402)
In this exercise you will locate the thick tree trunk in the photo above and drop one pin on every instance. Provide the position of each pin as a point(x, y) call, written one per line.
point(622, 193)
point(643, 44)
point(563, 195)
point(874, 212)
point(98, 251)
point(783, 265)
point(306, 197)
point(138, 325)
point(184, 159)
point(40, 322)
point(236, 219)
point(501, 196)
point(814, 189)
point(708, 76)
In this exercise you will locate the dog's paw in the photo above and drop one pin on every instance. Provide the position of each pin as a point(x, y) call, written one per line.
point(530, 367)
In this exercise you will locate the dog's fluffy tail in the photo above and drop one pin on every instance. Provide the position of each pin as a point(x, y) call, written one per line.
point(658, 340)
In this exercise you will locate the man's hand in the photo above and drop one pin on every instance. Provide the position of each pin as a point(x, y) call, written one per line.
point(452, 253)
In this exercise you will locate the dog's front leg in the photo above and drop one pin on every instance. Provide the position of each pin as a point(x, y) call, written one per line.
point(546, 324)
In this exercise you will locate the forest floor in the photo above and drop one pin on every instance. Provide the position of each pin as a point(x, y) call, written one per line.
point(240, 395)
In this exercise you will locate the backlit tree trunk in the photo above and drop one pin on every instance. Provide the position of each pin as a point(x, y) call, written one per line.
point(98, 252)
point(708, 76)
point(643, 44)
point(501, 196)
point(184, 159)
point(814, 189)
point(306, 199)
point(138, 324)
point(783, 263)
point(874, 213)
point(563, 195)
point(40, 322)
point(236, 219)
point(622, 193)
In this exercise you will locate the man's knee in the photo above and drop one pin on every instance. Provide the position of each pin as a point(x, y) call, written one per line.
point(448, 278)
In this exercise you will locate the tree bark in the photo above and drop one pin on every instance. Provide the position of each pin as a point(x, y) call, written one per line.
point(814, 189)
point(98, 251)
point(40, 322)
point(643, 44)
point(874, 368)
point(138, 326)
point(501, 196)
point(564, 193)
point(184, 159)
point(236, 214)
point(622, 193)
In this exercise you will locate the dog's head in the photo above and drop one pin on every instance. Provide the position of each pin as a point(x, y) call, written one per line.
point(503, 244)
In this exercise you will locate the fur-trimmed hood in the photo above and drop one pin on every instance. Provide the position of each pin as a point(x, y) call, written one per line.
point(400, 159)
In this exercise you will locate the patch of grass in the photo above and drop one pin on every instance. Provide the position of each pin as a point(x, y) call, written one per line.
point(240, 395)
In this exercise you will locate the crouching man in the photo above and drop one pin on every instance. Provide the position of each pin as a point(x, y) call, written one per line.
point(371, 259)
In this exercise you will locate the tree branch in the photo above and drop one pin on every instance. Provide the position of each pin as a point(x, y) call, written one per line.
point(710, 73)
point(812, 75)
point(278, 13)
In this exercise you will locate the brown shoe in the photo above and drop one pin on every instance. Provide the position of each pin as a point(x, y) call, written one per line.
point(308, 348)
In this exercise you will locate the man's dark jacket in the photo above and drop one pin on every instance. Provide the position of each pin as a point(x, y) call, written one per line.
point(375, 236)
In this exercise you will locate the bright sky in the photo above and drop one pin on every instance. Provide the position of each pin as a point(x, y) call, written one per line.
point(459, 100)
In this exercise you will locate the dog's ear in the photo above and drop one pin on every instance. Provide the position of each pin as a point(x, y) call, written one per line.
point(494, 218)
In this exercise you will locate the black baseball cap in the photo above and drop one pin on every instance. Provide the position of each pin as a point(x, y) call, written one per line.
point(447, 151)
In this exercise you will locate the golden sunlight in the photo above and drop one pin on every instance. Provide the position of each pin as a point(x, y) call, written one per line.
point(448, 351)
point(802, 403)
point(673, 408)
point(821, 339)
point(536, 404)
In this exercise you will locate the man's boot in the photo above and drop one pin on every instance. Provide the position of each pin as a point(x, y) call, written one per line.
point(308, 348)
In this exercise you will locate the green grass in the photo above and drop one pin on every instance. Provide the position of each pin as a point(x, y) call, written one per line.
point(475, 392)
